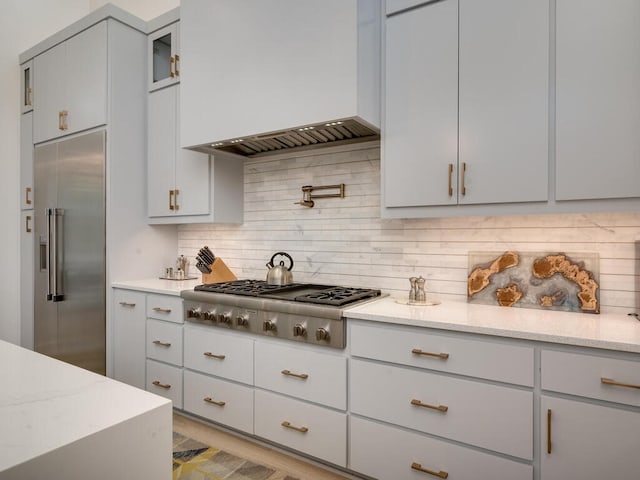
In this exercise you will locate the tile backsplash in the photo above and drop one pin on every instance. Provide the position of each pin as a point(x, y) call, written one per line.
point(344, 241)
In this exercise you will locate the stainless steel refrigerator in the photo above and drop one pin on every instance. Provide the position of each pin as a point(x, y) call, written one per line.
point(69, 303)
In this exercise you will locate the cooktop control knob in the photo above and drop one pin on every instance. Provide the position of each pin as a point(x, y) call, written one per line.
point(322, 334)
point(269, 326)
point(242, 320)
point(194, 313)
point(224, 318)
point(299, 330)
point(209, 315)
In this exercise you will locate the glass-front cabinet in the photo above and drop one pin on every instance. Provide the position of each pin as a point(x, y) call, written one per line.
point(164, 57)
point(26, 94)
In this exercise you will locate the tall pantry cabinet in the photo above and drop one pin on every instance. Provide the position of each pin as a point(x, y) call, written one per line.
point(92, 76)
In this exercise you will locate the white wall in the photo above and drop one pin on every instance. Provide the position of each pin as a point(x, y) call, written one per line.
point(24, 23)
point(343, 241)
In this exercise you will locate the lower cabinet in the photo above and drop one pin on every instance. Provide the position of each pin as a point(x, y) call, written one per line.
point(219, 400)
point(311, 429)
point(165, 380)
point(390, 453)
point(128, 315)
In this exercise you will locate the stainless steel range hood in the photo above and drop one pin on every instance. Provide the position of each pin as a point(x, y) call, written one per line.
point(337, 132)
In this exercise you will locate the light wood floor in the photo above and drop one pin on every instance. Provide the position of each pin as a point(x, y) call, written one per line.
point(261, 454)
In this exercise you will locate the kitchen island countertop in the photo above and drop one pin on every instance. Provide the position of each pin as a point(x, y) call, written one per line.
point(618, 332)
point(60, 421)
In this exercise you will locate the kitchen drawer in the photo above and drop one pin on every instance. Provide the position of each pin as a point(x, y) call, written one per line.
point(303, 373)
point(314, 430)
point(165, 307)
point(211, 351)
point(578, 374)
point(490, 416)
point(164, 341)
point(476, 358)
point(165, 380)
point(387, 453)
point(218, 400)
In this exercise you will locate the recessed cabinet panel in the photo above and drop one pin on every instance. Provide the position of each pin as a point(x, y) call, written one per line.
point(421, 131)
point(597, 100)
point(128, 314)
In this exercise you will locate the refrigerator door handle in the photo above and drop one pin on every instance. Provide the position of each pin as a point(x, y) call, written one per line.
point(57, 247)
point(49, 266)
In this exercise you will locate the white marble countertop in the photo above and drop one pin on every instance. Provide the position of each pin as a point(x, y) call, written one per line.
point(158, 285)
point(46, 404)
point(609, 331)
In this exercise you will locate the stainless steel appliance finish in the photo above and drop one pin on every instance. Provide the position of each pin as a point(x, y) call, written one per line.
point(69, 209)
point(305, 313)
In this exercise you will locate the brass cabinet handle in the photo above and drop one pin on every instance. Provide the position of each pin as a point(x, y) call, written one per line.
point(213, 355)
point(303, 376)
point(161, 385)
point(161, 310)
point(26, 222)
point(609, 381)
point(450, 177)
point(549, 430)
point(176, 65)
point(171, 200)
point(293, 427)
point(214, 402)
point(62, 120)
point(126, 304)
point(417, 351)
point(162, 344)
point(463, 188)
point(172, 62)
point(27, 191)
point(420, 468)
point(28, 99)
point(440, 408)
point(175, 199)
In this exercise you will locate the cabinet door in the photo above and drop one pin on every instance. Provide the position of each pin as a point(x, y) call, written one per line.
point(597, 100)
point(51, 98)
point(86, 79)
point(26, 161)
point(27, 255)
point(163, 61)
point(161, 152)
point(421, 130)
point(26, 87)
point(504, 97)
point(588, 441)
point(129, 337)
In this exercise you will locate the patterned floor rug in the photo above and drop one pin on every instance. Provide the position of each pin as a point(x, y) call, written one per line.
point(193, 460)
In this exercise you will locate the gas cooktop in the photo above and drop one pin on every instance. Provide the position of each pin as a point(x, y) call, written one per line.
point(296, 292)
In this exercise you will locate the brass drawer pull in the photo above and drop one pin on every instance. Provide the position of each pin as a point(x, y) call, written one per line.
point(27, 191)
point(27, 227)
point(420, 468)
point(161, 385)
point(161, 310)
point(549, 430)
point(293, 427)
point(214, 402)
point(213, 355)
point(440, 408)
point(450, 176)
point(463, 189)
point(303, 376)
point(162, 344)
point(443, 356)
point(127, 304)
point(171, 207)
point(176, 67)
point(609, 381)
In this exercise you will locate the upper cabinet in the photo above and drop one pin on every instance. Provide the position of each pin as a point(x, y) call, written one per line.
point(598, 99)
point(466, 101)
point(71, 85)
point(279, 72)
point(26, 86)
point(164, 57)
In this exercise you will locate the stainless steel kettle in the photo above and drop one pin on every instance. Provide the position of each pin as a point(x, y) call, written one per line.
point(279, 274)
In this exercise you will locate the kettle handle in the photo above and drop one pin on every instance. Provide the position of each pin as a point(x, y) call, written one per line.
point(283, 254)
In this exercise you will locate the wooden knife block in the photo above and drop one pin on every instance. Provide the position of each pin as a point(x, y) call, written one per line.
point(219, 273)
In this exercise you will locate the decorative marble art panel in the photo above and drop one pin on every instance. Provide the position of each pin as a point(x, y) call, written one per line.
point(549, 281)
